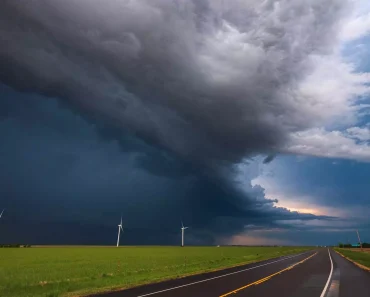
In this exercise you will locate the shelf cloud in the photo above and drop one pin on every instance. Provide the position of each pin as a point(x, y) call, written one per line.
point(190, 90)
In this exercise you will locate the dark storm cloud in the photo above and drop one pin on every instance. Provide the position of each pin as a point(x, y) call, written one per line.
point(69, 185)
point(208, 80)
point(163, 99)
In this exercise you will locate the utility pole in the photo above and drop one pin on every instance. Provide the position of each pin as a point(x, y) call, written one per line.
point(359, 239)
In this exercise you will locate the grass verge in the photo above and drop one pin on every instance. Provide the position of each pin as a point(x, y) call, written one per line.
point(362, 258)
point(73, 271)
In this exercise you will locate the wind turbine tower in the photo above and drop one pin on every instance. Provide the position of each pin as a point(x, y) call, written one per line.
point(359, 239)
point(182, 233)
point(119, 232)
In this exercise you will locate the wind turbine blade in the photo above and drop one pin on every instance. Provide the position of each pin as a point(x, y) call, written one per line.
point(182, 225)
point(2, 213)
point(186, 227)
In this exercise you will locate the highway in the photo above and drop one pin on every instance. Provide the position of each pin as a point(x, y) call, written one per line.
point(321, 273)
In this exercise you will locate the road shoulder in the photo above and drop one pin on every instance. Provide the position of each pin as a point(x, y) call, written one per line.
point(354, 262)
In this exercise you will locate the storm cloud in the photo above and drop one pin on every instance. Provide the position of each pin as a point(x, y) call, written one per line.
point(170, 96)
point(69, 184)
point(208, 80)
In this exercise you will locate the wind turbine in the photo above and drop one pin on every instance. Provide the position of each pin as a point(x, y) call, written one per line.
point(182, 233)
point(2, 213)
point(359, 239)
point(119, 232)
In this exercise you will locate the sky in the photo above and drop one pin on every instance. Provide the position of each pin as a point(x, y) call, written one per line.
point(247, 120)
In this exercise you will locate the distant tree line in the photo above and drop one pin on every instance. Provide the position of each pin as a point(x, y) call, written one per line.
point(348, 245)
point(15, 245)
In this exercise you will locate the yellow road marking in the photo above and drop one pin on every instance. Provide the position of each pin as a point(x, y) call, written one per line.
point(354, 262)
point(262, 280)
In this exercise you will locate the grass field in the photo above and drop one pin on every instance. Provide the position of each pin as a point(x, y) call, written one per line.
point(366, 250)
point(73, 271)
point(362, 258)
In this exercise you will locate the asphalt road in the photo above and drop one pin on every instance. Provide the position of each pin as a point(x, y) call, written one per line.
point(311, 274)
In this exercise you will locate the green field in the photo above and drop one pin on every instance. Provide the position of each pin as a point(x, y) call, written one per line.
point(362, 258)
point(73, 271)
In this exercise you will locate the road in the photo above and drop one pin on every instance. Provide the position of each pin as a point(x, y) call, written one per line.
point(320, 273)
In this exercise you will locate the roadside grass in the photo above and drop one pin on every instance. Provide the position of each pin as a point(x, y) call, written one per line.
point(73, 271)
point(362, 258)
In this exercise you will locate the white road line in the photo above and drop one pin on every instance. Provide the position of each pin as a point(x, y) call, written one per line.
point(227, 274)
point(329, 278)
point(333, 290)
